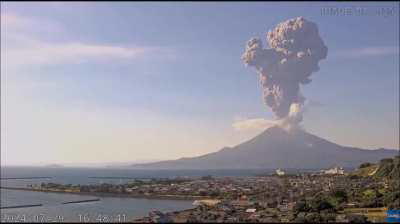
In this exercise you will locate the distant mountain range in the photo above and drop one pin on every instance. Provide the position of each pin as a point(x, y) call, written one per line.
point(54, 166)
point(277, 148)
point(116, 165)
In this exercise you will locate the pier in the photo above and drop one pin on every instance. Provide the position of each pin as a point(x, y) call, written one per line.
point(126, 178)
point(21, 206)
point(81, 201)
point(24, 178)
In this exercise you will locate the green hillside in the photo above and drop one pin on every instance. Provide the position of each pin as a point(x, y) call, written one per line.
point(387, 171)
point(389, 168)
point(386, 168)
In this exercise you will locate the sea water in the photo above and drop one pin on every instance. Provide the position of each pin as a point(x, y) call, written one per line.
point(108, 209)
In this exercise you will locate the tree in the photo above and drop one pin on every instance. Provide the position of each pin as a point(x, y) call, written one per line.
point(386, 160)
point(328, 216)
point(301, 206)
point(392, 199)
point(353, 218)
point(320, 203)
point(313, 217)
point(363, 165)
point(337, 197)
point(372, 198)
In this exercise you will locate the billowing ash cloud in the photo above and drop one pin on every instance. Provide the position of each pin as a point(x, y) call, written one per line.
point(294, 53)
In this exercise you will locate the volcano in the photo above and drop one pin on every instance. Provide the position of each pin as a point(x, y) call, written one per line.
point(278, 148)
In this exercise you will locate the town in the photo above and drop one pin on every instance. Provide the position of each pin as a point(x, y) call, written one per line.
point(325, 196)
point(285, 198)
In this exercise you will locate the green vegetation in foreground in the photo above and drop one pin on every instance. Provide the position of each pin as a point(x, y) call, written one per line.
point(370, 200)
point(386, 171)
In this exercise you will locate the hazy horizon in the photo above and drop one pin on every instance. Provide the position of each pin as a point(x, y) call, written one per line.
point(114, 164)
point(97, 83)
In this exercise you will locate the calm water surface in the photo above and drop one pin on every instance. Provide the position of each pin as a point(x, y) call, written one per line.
point(107, 209)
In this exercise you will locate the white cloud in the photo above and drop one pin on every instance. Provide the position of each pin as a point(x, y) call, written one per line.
point(292, 121)
point(255, 124)
point(367, 52)
point(22, 45)
point(66, 53)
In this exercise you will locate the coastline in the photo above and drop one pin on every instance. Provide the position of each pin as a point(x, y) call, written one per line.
point(106, 194)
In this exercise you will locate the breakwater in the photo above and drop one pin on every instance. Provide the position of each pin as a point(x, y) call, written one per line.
point(81, 201)
point(129, 178)
point(21, 206)
point(24, 178)
point(109, 194)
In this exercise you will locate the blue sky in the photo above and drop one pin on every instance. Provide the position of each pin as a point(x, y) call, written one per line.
point(165, 80)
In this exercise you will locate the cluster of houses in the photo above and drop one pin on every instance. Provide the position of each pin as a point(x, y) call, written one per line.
point(263, 188)
point(334, 171)
point(259, 199)
point(270, 198)
point(226, 187)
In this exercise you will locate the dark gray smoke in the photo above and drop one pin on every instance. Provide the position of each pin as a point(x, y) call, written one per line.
point(294, 53)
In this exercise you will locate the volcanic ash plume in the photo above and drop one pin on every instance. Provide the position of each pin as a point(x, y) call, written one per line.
point(296, 49)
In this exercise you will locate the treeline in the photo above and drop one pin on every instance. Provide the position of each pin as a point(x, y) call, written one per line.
point(385, 192)
point(386, 168)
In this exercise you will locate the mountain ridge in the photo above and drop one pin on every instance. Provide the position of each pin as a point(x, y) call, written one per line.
point(278, 148)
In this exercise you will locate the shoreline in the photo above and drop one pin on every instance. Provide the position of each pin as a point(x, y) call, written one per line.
point(106, 194)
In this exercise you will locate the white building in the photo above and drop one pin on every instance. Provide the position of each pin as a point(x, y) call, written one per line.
point(280, 172)
point(251, 210)
point(335, 170)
